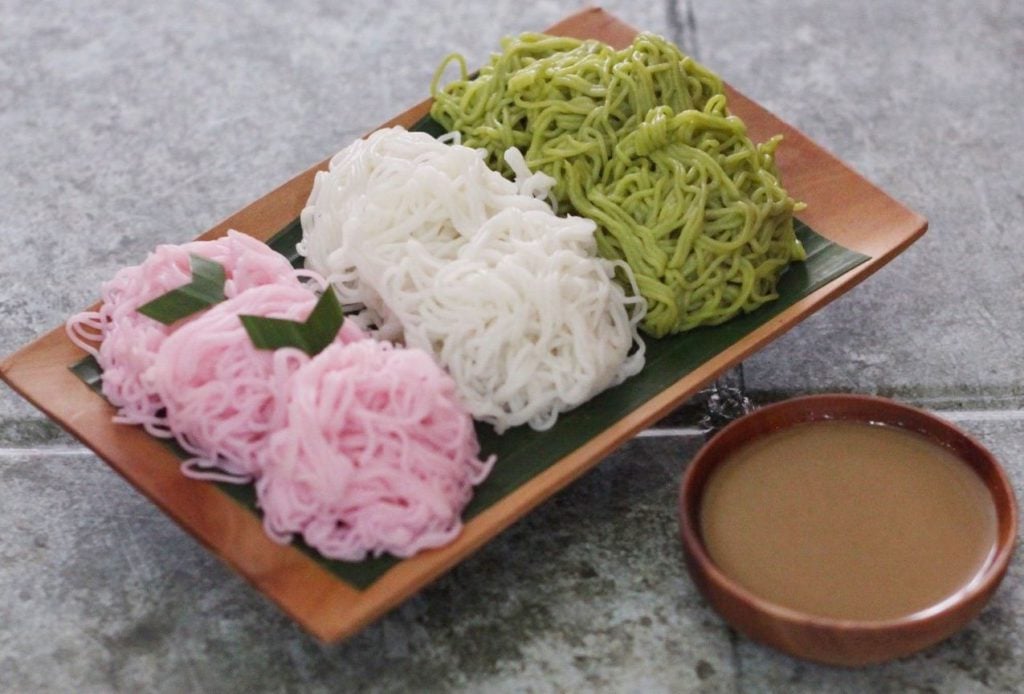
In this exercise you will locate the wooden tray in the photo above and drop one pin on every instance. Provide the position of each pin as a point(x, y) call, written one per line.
point(842, 206)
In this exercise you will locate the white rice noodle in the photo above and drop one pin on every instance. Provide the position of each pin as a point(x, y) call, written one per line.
point(452, 258)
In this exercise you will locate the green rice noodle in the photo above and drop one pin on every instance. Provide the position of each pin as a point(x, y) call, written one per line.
point(640, 141)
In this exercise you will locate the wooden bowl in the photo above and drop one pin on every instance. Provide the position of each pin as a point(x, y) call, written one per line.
point(832, 641)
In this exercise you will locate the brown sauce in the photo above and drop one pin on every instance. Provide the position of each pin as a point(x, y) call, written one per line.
point(848, 520)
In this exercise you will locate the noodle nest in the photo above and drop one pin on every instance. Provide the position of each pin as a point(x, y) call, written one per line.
point(448, 256)
point(640, 141)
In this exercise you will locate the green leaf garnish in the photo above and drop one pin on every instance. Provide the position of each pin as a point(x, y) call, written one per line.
point(311, 337)
point(205, 290)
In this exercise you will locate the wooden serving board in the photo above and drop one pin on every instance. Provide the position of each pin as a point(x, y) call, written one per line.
point(842, 206)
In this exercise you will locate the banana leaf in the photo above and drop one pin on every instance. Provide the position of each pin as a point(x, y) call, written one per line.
point(524, 453)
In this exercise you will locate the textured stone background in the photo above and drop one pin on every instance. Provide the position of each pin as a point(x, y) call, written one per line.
point(128, 124)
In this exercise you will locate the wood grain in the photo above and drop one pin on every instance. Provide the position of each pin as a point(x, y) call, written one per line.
point(842, 206)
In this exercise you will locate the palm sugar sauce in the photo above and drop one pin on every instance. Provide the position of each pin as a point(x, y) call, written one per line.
point(848, 520)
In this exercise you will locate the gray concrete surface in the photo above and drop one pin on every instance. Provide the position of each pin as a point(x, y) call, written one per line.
point(127, 124)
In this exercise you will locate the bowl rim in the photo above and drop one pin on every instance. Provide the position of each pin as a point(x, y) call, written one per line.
point(984, 582)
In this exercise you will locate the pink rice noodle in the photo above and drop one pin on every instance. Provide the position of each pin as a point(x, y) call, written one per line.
point(377, 455)
point(223, 395)
point(128, 341)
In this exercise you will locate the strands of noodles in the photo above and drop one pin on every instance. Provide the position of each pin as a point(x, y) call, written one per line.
point(361, 448)
point(639, 140)
point(128, 341)
point(222, 395)
point(377, 455)
point(454, 259)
